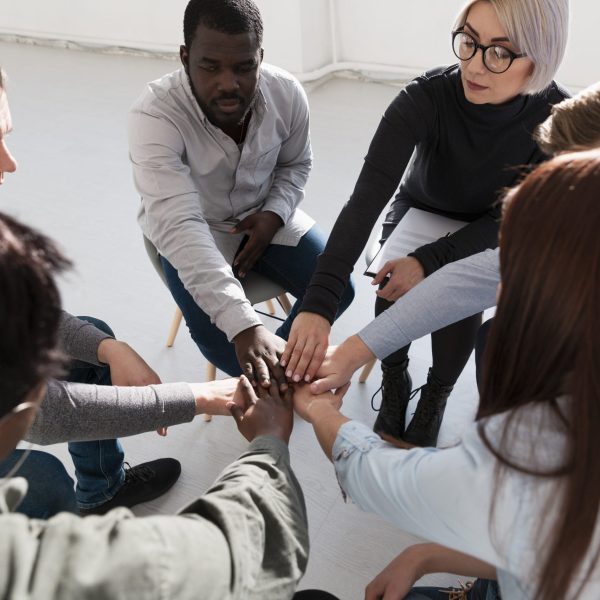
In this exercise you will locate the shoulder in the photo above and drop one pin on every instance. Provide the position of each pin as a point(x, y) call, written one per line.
point(276, 81)
point(438, 78)
point(552, 94)
point(161, 94)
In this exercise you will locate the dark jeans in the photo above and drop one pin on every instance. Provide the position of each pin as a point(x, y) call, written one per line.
point(291, 267)
point(98, 464)
point(50, 488)
point(483, 589)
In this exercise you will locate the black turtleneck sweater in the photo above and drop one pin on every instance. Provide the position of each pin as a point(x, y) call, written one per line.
point(465, 156)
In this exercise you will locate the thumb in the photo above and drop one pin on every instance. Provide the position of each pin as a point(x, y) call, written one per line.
point(244, 224)
point(236, 412)
point(381, 274)
point(324, 385)
point(341, 391)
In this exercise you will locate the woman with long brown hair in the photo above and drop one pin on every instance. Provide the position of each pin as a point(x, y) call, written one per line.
point(521, 491)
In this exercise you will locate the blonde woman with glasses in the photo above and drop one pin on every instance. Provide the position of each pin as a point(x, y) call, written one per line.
point(453, 140)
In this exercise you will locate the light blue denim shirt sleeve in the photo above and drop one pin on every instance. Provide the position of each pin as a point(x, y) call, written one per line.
point(442, 496)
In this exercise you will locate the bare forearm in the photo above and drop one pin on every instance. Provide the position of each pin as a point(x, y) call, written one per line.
point(326, 422)
point(434, 558)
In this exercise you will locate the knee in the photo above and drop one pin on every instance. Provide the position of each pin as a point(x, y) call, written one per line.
point(98, 324)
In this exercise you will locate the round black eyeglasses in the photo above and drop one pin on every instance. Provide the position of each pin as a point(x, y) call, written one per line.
point(496, 59)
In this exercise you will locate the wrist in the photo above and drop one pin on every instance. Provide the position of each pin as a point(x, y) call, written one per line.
point(355, 352)
point(321, 408)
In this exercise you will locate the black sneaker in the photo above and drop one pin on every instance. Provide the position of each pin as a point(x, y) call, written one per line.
point(395, 389)
point(142, 484)
point(424, 428)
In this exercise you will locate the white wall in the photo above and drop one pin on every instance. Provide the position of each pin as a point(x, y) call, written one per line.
point(406, 35)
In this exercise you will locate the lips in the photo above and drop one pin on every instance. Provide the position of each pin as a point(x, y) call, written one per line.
point(229, 105)
point(475, 87)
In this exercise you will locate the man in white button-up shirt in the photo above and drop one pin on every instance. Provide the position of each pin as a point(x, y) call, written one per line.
point(221, 153)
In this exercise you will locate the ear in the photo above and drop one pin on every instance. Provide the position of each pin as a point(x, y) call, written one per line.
point(262, 54)
point(184, 56)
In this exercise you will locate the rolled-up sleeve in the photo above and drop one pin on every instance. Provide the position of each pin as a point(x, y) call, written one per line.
point(443, 496)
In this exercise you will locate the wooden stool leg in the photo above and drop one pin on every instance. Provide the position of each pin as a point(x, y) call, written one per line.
point(270, 307)
point(174, 327)
point(364, 374)
point(285, 303)
point(211, 375)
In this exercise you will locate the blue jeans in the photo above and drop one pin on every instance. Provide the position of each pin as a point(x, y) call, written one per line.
point(99, 464)
point(291, 267)
point(483, 589)
point(50, 488)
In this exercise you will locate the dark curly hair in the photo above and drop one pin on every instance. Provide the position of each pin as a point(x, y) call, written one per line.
point(226, 16)
point(30, 311)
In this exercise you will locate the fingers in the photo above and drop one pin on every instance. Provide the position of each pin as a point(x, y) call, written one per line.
point(277, 373)
point(382, 273)
point(341, 391)
point(162, 431)
point(294, 357)
point(315, 364)
point(331, 382)
point(236, 412)
point(289, 347)
point(251, 252)
point(248, 371)
point(248, 394)
point(391, 292)
point(262, 371)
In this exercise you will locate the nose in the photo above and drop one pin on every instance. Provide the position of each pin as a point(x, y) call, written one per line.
point(7, 162)
point(228, 81)
point(475, 64)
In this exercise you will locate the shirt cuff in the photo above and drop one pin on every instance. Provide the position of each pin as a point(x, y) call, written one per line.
point(275, 446)
point(280, 207)
point(376, 336)
point(353, 436)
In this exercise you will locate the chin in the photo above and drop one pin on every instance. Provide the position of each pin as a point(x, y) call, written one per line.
point(476, 98)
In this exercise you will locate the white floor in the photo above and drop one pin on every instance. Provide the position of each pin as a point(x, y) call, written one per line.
point(74, 182)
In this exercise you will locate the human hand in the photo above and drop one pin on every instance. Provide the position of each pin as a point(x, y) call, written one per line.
point(398, 578)
point(307, 404)
point(404, 274)
point(260, 228)
point(258, 351)
point(213, 397)
point(269, 413)
point(340, 363)
point(306, 346)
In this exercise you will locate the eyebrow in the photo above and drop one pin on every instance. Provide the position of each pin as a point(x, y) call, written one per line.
point(496, 39)
point(214, 61)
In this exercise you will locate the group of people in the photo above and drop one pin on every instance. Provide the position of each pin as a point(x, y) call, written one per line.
point(221, 153)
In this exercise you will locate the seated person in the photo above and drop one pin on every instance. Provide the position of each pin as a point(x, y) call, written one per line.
point(522, 486)
point(464, 287)
point(90, 417)
point(221, 153)
point(246, 538)
point(452, 140)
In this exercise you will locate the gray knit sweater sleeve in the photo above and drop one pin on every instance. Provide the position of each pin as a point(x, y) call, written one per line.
point(79, 412)
point(79, 339)
point(457, 291)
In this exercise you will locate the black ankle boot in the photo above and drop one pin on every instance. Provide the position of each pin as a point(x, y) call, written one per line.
point(395, 388)
point(425, 426)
